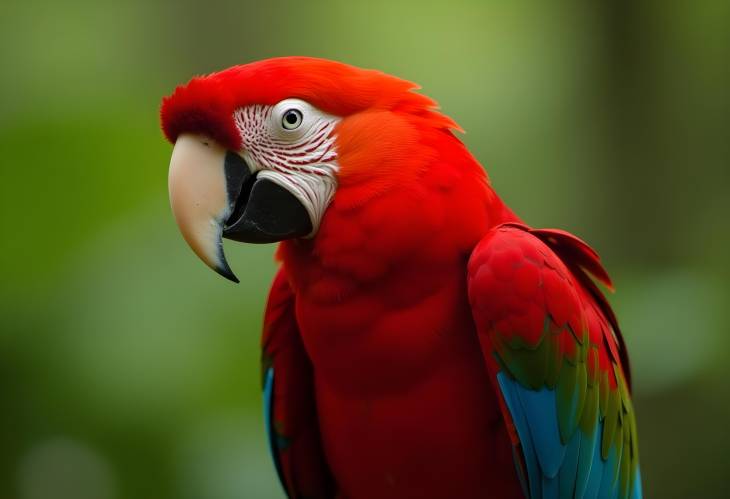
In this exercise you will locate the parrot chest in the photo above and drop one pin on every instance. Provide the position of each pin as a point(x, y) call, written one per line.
point(404, 403)
point(441, 438)
point(383, 339)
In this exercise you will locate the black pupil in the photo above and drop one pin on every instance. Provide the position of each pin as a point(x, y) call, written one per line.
point(291, 117)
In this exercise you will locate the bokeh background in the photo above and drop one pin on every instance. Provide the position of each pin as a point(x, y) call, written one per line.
point(129, 370)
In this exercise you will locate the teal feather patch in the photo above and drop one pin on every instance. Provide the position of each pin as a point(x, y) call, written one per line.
point(555, 470)
point(271, 434)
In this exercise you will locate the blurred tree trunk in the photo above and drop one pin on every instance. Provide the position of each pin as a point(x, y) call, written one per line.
point(655, 71)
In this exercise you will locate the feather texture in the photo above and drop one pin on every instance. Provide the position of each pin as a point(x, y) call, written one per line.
point(554, 350)
point(290, 416)
point(376, 333)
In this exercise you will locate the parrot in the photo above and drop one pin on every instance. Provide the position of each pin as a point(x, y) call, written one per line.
point(420, 340)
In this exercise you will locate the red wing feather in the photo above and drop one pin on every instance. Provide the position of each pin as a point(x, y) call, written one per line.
point(293, 426)
point(553, 348)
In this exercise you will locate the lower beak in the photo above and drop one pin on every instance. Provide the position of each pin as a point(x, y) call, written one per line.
point(214, 194)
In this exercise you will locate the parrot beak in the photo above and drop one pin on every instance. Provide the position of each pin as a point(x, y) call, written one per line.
point(214, 194)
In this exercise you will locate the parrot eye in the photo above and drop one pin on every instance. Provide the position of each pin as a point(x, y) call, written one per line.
point(292, 119)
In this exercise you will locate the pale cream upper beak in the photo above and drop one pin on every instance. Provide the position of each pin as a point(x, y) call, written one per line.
point(199, 199)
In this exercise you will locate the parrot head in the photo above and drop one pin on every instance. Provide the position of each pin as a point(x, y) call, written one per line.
point(262, 150)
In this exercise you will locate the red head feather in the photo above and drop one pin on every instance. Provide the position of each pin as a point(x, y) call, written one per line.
point(207, 103)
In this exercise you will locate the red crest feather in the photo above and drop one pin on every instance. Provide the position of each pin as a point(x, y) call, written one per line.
point(206, 104)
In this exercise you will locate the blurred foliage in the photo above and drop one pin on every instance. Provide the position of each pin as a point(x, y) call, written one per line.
point(129, 370)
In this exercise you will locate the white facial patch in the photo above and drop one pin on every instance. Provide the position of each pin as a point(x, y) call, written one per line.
point(292, 144)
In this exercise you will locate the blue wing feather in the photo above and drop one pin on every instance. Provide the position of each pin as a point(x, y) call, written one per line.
point(509, 389)
point(589, 459)
point(268, 418)
point(593, 485)
point(636, 489)
point(609, 484)
point(542, 418)
point(569, 469)
point(555, 470)
point(550, 487)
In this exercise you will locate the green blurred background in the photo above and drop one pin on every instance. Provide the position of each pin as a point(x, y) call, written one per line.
point(129, 370)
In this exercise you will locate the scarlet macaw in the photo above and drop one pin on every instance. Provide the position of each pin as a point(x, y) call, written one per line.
point(419, 341)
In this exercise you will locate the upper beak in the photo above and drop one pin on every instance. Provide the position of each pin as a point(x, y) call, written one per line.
point(214, 194)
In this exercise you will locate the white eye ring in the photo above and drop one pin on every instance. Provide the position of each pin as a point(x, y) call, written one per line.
point(291, 119)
